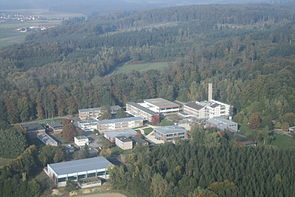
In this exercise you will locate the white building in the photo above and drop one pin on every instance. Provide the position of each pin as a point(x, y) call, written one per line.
point(93, 113)
point(124, 143)
point(77, 170)
point(160, 105)
point(207, 109)
point(89, 113)
point(140, 111)
point(87, 125)
point(117, 124)
point(81, 140)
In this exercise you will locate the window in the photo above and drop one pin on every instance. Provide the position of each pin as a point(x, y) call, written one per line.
point(101, 173)
point(72, 178)
point(82, 176)
point(62, 179)
point(91, 175)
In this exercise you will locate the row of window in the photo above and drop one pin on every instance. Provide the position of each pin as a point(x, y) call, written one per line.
point(82, 176)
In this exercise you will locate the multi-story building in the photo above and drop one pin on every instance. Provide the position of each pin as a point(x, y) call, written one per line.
point(77, 170)
point(81, 140)
point(117, 124)
point(87, 125)
point(140, 111)
point(170, 133)
point(207, 109)
point(222, 124)
point(93, 113)
point(90, 113)
point(160, 105)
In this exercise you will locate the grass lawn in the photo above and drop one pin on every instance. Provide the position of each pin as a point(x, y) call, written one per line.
point(166, 123)
point(129, 67)
point(283, 141)
point(147, 130)
point(4, 161)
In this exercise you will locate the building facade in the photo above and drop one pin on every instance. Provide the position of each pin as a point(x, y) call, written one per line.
point(77, 170)
point(81, 140)
point(140, 111)
point(124, 143)
point(170, 133)
point(94, 113)
point(90, 113)
point(87, 125)
point(160, 105)
point(117, 124)
point(207, 109)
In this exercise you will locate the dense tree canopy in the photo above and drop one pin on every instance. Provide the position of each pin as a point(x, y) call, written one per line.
point(188, 169)
point(12, 143)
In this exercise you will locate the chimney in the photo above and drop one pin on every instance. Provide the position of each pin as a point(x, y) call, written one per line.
point(210, 92)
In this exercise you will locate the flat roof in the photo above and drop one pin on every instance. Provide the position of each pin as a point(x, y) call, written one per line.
point(142, 108)
point(90, 109)
point(170, 129)
point(119, 120)
point(113, 108)
point(124, 139)
point(88, 121)
point(120, 133)
point(80, 165)
point(194, 105)
point(82, 137)
point(55, 125)
point(219, 121)
point(46, 139)
point(161, 103)
point(32, 126)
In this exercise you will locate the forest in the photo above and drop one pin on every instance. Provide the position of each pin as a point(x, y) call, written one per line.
point(247, 51)
point(193, 169)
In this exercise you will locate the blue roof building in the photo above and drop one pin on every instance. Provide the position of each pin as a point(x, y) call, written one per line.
point(76, 170)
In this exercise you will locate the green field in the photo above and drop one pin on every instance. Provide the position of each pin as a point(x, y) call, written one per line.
point(141, 67)
point(147, 130)
point(8, 30)
point(283, 141)
point(4, 161)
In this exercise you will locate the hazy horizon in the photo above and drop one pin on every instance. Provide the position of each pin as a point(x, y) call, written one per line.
point(105, 6)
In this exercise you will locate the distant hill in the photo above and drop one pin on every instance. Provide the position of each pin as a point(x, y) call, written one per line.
point(108, 6)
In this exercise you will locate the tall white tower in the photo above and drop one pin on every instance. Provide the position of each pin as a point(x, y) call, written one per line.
point(210, 92)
